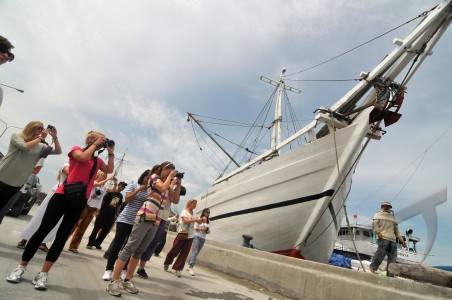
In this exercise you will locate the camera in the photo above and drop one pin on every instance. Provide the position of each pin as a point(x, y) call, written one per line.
point(108, 143)
point(51, 127)
point(179, 175)
point(183, 190)
point(98, 192)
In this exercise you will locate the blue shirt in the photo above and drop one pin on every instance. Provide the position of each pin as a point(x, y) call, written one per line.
point(129, 212)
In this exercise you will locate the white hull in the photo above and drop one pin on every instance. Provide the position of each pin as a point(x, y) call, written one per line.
point(308, 170)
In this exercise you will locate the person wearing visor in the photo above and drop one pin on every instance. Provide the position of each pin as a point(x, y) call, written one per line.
point(5, 51)
point(387, 231)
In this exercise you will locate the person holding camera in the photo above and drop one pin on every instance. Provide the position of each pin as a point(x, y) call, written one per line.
point(5, 50)
point(135, 195)
point(68, 202)
point(171, 196)
point(106, 217)
point(25, 149)
point(199, 238)
point(92, 206)
point(144, 229)
point(184, 239)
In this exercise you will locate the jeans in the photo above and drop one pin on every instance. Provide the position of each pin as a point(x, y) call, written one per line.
point(156, 241)
point(198, 243)
point(385, 247)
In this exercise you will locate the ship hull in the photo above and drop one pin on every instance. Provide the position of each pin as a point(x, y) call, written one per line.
point(276, 201)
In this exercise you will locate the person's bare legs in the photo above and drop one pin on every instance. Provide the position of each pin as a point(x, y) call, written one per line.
point(142, 264)
point(133, 262)
point(119, 266)
point(46, 266)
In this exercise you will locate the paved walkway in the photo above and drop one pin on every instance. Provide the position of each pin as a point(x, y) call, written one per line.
point(79, 276)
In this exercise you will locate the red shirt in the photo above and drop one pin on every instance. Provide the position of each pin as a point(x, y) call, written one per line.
point(79, 172)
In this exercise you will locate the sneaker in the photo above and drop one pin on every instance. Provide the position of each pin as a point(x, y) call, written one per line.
point(142, 273)
point(190, 270)
point(107, 275)
point(130, 287)
point(40, 281)
point(16, 275)
point(105, 255)
point(98, 247)
point(22, 244)
point(157, 255)
point(73, 250)
point(166, 267)
point(123, 275)
point(114, 288)
point(43, 247)
point(88, 247)
point(179, 274)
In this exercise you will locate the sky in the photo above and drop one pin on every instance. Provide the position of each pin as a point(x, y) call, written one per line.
point(133, 70)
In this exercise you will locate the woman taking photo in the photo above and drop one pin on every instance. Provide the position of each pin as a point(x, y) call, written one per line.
point(182, 242)
point(201, 230)
point(144, 229)
point(25, 149)
point(67, 202)
point(135, 195)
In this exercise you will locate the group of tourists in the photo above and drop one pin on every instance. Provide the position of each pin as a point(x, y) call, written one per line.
point(140, 209)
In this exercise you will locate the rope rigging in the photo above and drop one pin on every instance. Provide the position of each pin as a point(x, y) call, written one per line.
point(423, 14)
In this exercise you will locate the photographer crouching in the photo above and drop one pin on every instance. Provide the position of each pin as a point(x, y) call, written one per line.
point(67, 202)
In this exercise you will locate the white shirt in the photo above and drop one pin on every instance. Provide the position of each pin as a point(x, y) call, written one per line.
point(204, 227)
point(183, 227)
point(95, 199)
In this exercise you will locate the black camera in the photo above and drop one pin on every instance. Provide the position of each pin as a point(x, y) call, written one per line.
point(108, 143)
point(98, 192)
point(183, 190)
point(179, 175)
point(51, 127)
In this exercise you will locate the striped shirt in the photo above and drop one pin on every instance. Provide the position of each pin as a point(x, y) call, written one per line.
point(129, 212)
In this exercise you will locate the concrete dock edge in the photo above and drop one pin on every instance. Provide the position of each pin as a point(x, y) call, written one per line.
point(302, 279)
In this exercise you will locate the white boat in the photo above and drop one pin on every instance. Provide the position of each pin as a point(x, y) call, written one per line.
point(366, 244)
point(291, 201)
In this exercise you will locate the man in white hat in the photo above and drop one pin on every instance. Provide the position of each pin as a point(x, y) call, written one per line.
point(386, 228)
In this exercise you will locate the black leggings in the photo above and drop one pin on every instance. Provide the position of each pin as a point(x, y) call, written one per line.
point(102, 226)
point(70, 209)
point(122, 234)
point(6, 192)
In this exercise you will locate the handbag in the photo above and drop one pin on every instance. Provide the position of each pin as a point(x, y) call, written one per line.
point(78, 189)
point(146, 214)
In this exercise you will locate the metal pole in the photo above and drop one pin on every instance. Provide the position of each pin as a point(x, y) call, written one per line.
point(211, 137)
point(276, 133)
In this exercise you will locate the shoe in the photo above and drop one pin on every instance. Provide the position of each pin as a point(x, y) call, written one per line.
point(179, 274)
point(166, 267)
point(43, 247)
point(105, 255)
point(130, 287)
point(73, 250)
point(142, 273)
point(157, 255)
point(16, 275)
point(107, 275)
point(98, 247)
point(114, 288)
point(123, 275)
point(190, 270)
point(40, 281)
point(22, 244)
point(88, 247)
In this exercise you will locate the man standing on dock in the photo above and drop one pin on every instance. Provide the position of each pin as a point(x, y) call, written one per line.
point(386, 228)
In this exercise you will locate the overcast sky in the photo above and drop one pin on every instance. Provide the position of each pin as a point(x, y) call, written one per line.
point(133, 69)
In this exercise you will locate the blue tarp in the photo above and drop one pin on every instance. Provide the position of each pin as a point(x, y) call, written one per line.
point(339, 260)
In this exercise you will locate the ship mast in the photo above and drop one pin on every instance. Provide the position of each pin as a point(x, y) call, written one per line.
point(276, 124)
